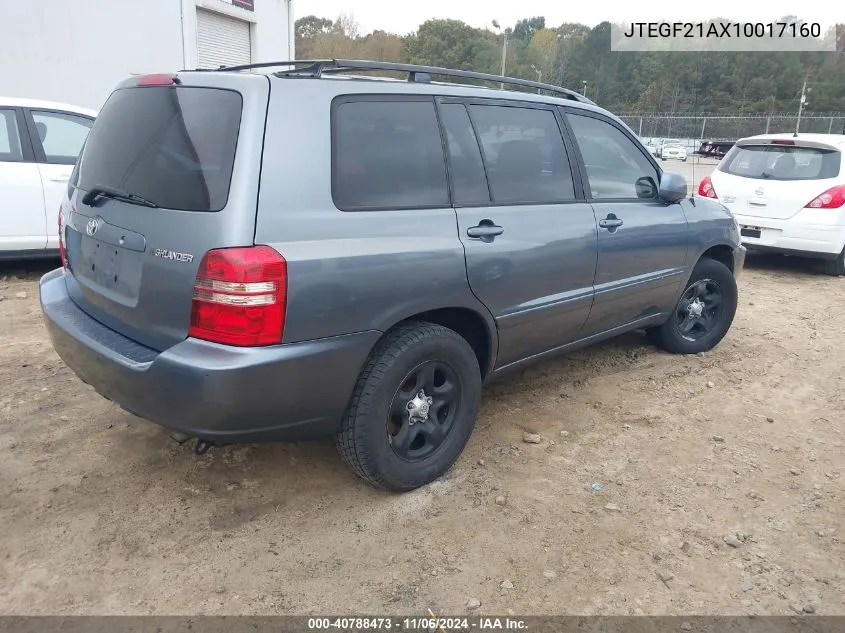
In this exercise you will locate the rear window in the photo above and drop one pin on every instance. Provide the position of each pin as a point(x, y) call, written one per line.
point(172, 146)
point(778, 162)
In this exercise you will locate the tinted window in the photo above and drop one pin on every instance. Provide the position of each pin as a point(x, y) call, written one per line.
point(469, 184)
point(388, 155)
point(61, 135)
point(526, 158)
point(616, 168)
point(173, 146)
point(10, 140)
point(776, 162)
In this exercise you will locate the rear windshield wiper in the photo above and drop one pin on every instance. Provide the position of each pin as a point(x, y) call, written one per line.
point(103, 191)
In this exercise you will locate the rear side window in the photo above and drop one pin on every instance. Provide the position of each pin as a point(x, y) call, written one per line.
point(778, 162)
point(10, 140)
point(61, 135)
point(525, 156)
point(469, 182)
point(172, 146)
point(388, 155)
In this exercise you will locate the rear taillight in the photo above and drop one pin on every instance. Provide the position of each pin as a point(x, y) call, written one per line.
point(62, 252)
point(705, 189)
point(240, 297)
point(831, 199)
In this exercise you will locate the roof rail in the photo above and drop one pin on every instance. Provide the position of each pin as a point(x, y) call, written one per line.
point(315, 68)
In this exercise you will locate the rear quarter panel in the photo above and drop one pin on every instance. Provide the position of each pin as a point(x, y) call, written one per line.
point(347, 271)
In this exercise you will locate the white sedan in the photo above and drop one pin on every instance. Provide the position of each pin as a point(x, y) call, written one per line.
point(39, 144)
point(675, 151)
point(787, 194)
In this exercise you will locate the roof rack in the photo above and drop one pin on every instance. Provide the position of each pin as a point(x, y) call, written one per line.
point(315, 68)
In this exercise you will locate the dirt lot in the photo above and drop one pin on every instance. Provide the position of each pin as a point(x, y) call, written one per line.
point(101, 513)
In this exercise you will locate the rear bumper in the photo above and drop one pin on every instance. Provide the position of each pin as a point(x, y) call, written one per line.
point(794, 235)
point(289, 392)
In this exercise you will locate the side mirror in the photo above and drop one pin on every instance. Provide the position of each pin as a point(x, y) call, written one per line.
point(646, 188)
point(673, 188)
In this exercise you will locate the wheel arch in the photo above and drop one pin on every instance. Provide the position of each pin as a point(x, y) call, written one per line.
point(476, 326)
point(722, 253)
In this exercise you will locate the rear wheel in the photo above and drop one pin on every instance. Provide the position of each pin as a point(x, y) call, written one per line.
point(835, 267)
point(704, 313)
point(413, 408)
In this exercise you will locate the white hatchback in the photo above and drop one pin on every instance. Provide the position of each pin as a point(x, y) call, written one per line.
point(39, 144)
point(787, 194)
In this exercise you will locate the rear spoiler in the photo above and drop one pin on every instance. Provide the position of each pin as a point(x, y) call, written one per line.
point(787, 142)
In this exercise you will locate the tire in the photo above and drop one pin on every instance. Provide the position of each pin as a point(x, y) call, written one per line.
point(710, 293)
point(377, 439)
point(835, 267)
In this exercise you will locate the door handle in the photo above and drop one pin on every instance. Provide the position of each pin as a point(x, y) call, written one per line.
point(486, 231)
point(61, 178)
point(611, 222)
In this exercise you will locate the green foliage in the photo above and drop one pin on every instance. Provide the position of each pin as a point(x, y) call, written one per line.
point(526, 29)
point(451, 44)
point(573, 54)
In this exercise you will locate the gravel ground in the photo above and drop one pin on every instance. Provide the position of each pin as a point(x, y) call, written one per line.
point(657, 484)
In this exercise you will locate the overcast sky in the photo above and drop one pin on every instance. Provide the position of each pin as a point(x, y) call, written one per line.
point(403, 16)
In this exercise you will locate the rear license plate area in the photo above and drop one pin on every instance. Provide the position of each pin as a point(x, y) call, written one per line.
point(101, 263)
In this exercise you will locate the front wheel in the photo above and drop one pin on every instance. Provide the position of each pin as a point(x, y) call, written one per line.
point(704, 313)
point(413, 408)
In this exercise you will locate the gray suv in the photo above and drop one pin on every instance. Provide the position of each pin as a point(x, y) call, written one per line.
point(251, 254)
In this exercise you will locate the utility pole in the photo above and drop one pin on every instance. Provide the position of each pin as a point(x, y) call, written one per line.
point(540, 76)
point(504, 53)
point(498, 27)
point(801, 106)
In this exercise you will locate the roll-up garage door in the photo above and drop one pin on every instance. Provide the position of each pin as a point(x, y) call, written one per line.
point(222, 40)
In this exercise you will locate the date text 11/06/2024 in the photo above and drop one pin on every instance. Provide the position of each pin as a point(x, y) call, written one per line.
point(416, 624)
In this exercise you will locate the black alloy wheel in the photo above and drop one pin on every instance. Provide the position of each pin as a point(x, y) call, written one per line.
point(423, 410)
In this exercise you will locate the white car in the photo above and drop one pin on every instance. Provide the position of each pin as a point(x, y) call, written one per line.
point(787, 194)
point(651, 146)
point(669, 142)
point(675, 151)
point(39, 144)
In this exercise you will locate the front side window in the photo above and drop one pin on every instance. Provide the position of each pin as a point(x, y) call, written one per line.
point(388, 155)
point(10, 139)
point(61, 135)
point(525, 155)
point(616, 168)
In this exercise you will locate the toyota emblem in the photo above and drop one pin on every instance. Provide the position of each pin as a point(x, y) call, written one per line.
point(92, 226)
point(759, 191)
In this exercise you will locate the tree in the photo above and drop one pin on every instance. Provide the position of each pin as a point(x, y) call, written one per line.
point(310, 26)
point(382, 46)
point(306, 31)
point(449, 43)
point(525, 29)
point(710, 82)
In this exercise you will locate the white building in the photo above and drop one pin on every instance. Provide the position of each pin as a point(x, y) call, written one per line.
point(76, 51)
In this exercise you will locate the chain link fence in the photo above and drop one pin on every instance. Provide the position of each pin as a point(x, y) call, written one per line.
point(730, 128)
